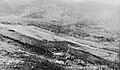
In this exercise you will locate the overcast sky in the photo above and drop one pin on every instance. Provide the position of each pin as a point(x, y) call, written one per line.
point(19, 2)
point(112, 2)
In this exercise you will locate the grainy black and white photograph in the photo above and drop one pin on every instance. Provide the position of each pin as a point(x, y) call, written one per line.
point(59, 34)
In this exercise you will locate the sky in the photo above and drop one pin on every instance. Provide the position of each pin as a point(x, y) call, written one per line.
point(112, 2)
point(18, 2)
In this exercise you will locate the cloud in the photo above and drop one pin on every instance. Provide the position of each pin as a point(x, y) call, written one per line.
point(8, 3)
point(19, 2)
point(112, 2)
point(75, 0)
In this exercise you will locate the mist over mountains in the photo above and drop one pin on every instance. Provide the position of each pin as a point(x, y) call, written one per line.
point(4, 7)
point(64, 4)
point(90, 10)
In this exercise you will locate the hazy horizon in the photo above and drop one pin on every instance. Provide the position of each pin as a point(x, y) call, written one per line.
point(22, 2)
point(102, 10)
